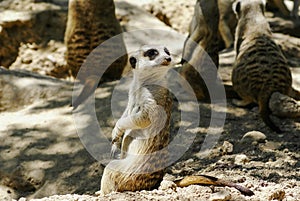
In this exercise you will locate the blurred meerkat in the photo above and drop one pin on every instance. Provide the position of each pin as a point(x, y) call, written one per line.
point(280, 5)
point(260, 69)
point(89, 24)
point(201, 48)
point(143, 130)
point(227, 22)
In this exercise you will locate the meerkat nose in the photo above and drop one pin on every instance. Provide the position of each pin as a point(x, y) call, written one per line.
point(169, 59)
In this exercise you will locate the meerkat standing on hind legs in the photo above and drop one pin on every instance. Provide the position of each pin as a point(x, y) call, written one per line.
point(260, 69)
point(90, 24)
point(280, 5)
point(203, 33)
point(142, 133)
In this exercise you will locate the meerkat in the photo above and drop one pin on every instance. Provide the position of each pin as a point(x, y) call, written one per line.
point(89, 24)
point(203, 29)
point(260, 68)
point(202, 32)
point(142, 132)
point(295, 11)
point(280, 5)
point(227, 22)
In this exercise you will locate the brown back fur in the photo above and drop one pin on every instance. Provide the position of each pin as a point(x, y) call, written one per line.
point(260, 68)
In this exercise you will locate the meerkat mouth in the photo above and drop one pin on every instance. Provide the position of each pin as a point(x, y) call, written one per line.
point(166, 62)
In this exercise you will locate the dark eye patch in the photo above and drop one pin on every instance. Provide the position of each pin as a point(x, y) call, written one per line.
point(167, 51)
point(151, 53)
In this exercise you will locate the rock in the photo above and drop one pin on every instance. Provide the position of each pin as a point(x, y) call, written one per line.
point(220, 196)
point(227, 148)
point(165, 185)
point(254, 136)
point(28, 26)
point(284, 106)
point(241, 159)
point(7, 193)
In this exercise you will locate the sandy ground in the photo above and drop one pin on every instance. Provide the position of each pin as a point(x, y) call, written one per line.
point(45, 155)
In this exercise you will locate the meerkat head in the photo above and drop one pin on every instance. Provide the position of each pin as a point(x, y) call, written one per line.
point(244, 7)
point(150, 56)
point(251, 20)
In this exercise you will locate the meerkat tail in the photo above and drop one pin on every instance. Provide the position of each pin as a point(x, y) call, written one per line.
point(284, 106)
point(230, 92)
point(295, 94)
point(265, 111)
point(209, 180)
point(90, 86)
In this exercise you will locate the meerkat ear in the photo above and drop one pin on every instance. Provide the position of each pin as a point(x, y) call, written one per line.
point(132, 61)
point(263, 6)
point(236, 7)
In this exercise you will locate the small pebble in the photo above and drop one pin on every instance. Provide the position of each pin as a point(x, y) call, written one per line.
point(241, 159)
point(165, 185)
point(227, 148)
point(254, 136)
point(220, 196)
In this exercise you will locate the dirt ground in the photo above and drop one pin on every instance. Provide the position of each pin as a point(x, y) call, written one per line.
point(44, 155)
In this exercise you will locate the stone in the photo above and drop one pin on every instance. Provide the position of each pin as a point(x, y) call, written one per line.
point(220, 196)
point(227, 148)
point(241, 159)
point(254, 136)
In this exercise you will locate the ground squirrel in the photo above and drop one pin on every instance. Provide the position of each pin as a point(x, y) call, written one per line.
point(260, 68)
point(89, 24)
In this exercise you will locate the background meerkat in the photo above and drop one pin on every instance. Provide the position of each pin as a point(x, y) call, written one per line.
point(260, 68)
point(143, 130)
point(227, 22)
point(89, 24)
point(280, 5)
point(203, 32)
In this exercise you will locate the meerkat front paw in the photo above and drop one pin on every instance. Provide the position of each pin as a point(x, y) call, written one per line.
point(117, 135)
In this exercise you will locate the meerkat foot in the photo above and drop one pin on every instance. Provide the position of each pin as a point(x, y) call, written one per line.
point(114, 150)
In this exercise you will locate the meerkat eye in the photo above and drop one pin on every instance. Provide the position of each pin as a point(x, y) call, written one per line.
point(152, 53)
point(167, 51)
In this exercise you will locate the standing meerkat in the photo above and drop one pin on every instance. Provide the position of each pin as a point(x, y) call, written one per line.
point(280, 5)
point(260, 68)
point(227, 22)
point(89, 24)
point(143, 130)
point(202, 33)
